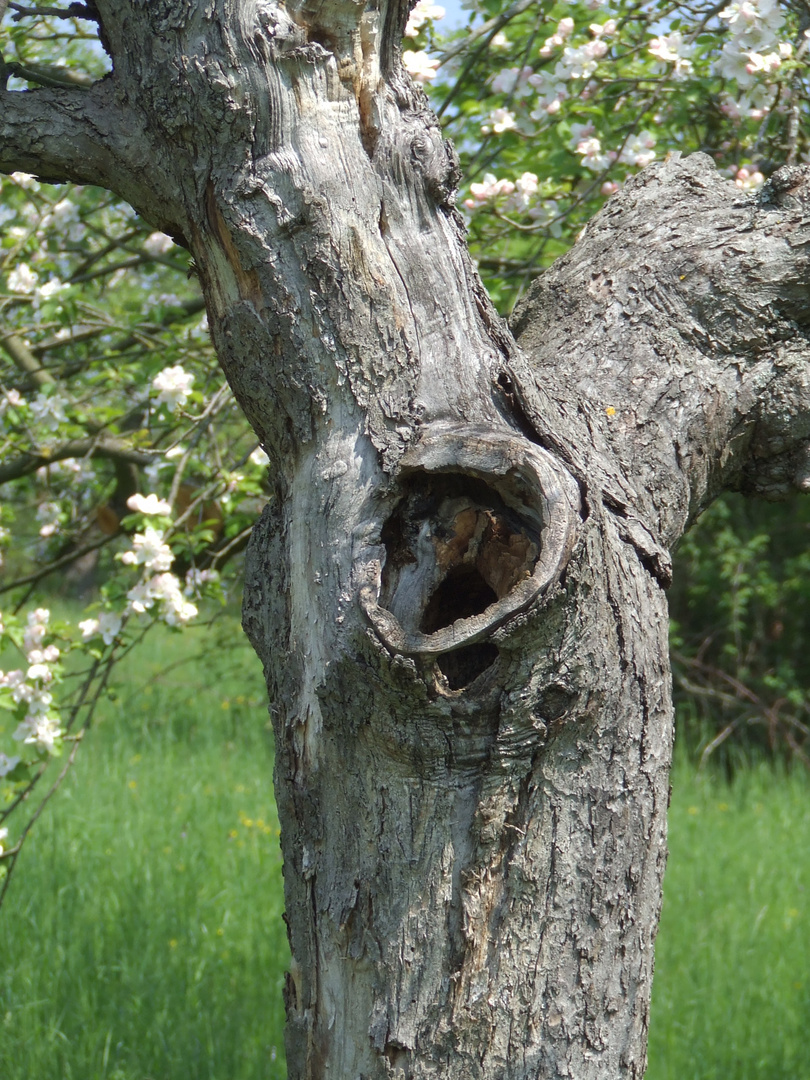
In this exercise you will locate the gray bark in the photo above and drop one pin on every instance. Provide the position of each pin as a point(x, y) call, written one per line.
point(457, 590)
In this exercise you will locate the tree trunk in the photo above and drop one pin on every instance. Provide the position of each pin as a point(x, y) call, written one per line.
point(457, 590)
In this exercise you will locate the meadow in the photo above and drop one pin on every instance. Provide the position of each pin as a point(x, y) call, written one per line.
point(142, 937)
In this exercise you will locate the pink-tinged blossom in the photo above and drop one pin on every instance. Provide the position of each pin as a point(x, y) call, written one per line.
point(149, 551)
point(148, 504)
point(551, 91)
point(196, 579)
point(490, 188)
point(610, 187)
point(580, 132)
point(754, 17)
point(606, 29)
point(638, 150)
point(15, 682)
point(748, 178)
point(423, 11)
point(733, 64)
point(421, 67)
point(173, 385)
point(49, 655)
point(759, 64)
point(755, 104)
point(565, 29)
point(593, 156)
point(36, 629)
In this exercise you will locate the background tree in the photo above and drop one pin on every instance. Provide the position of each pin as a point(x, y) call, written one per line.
point(506, 527)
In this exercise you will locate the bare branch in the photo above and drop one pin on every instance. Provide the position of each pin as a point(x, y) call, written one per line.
point(25, 360)
point(76, 448)
point(72, 556)
point(73, 11)
point(49, 75)
point(88, 137)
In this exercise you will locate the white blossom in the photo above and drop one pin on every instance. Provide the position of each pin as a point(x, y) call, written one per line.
point(421, 67)
point(173, 385)
point(7, 765)
point(140, 598)
point(25, 181)
point(638, 150)
point(593, 156)
point(107, 625)
point(149, 551)
point(672, 49)
point(50, 288)
point(158, 243)
point(148, 504)
point(423, 11)
point(22, 279)
point(39, 671)
point(577, 63)
point(48, 514)
point(512, 80)
point(49, 409)
point(41, 731)
point(500, 120)
point(176, 609)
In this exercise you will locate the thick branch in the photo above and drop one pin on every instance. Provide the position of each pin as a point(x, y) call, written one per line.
point(682, 314)
point(88, 137)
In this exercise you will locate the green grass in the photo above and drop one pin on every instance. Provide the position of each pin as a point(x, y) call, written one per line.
point(142, 933)
point(142, 936)
point(731, 997)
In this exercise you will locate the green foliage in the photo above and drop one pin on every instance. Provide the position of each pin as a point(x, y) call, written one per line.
point(740, 606)
point(144, 935)
point(731, 992)
point(552, 106)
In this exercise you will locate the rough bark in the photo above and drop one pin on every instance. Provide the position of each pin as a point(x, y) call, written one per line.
point(458, 589)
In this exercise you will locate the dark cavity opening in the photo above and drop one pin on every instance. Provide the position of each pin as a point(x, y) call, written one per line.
point(461, 594)
point(463, 666)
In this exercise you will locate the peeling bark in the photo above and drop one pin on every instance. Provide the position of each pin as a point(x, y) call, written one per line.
point(458, 589)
